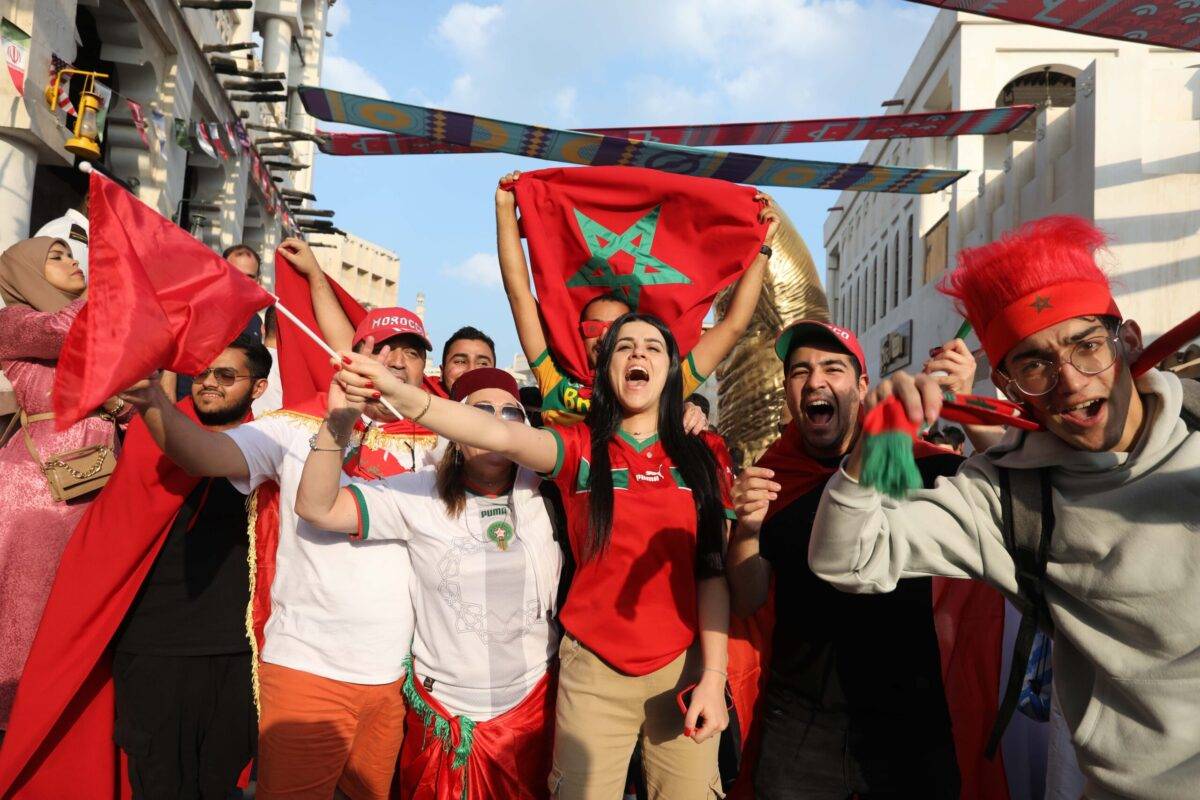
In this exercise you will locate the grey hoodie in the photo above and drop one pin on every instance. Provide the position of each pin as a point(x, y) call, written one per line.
point(1123, 582)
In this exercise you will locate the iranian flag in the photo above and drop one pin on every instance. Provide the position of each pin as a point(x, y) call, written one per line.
point(665, 243)
point(16, 53)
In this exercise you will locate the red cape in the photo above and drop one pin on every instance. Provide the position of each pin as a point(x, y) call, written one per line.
point(60, 737)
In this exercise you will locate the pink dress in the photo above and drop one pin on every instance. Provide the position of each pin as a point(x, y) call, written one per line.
point(33, 528)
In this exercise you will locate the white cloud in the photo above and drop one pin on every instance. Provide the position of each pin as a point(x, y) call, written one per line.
point(347, 75)
point(468, 27)
point(340, 72)
point(685, 61)
point(480, 269)
point(339, 17)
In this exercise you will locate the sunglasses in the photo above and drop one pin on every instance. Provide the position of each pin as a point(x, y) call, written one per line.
point(594, 328)
point(507, 413)
point(226, 376)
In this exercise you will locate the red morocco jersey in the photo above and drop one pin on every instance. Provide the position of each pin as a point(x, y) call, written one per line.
point(635, 605)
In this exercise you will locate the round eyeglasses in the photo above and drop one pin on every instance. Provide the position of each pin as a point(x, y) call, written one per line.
point(1091, 356)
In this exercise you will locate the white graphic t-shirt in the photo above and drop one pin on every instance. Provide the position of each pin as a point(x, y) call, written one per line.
point(483, 587)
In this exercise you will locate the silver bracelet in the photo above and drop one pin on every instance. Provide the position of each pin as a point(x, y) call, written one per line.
point(714, 669)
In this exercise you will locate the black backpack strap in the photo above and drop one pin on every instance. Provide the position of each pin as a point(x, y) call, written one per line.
point(1027, 509)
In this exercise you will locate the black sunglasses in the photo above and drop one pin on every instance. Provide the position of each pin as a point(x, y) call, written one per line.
point(508, 413)
point(226, 376)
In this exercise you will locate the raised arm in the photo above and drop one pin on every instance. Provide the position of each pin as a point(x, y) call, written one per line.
point(320, 499)
point(719, 340)
point(28, 333)
point(331, 319)
point(197, 450)
point(364, 379)
point(514, 270)
point(953, 367)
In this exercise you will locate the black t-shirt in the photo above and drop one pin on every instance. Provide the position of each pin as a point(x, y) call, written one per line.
point(868, 661)
point(193, 601)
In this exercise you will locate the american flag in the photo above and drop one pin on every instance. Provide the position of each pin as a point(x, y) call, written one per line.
point(64, 97)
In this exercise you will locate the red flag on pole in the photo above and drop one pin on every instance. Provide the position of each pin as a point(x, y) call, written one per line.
point(665, 243)
point(157, 299)
point(304, 367)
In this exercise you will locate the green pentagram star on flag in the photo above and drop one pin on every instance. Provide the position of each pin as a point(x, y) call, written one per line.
point(636, 240)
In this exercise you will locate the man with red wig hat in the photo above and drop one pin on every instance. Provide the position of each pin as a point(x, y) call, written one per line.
point(1118, 466)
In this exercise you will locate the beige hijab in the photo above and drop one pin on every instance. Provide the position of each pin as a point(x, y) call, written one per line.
point(23, 276)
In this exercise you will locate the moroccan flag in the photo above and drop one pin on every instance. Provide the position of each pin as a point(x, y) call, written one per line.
point(666, 243)
point(16, 53)
point(157, 299)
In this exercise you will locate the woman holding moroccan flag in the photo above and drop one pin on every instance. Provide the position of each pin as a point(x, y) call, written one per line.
point(43, 290)
point(644, 653)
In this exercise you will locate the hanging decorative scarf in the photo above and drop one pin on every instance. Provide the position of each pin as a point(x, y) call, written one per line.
point(577, 147)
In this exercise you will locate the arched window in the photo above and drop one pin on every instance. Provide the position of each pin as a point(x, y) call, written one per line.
point(1042, 87)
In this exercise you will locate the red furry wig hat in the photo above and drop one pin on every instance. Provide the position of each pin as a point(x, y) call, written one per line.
point(1036, 276)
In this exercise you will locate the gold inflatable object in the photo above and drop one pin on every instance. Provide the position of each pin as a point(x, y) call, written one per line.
point(750, 392)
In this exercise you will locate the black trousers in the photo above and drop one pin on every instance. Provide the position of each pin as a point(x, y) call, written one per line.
point(808, 756)
point(187, 723)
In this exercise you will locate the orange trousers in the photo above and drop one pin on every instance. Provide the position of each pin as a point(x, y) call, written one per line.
point(315, 734)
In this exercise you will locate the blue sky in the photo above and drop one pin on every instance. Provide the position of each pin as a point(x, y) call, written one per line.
point(588, 64)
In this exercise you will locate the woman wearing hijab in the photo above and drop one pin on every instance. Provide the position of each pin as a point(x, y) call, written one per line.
point(43, 287)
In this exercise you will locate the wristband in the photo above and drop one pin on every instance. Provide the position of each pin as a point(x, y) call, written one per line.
point(766, 250)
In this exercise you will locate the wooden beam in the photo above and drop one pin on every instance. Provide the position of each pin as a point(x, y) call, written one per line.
point(313, 212)
point(258, 98)
point(296, 193)
point(217, 5)
point(254, 86)
point(284, 166)
point(227, 48)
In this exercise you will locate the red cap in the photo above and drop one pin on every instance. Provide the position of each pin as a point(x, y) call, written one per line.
point(384, 323)
point(473, 380)
point(817, 331)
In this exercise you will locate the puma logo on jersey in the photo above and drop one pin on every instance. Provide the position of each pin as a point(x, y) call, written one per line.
point(650, 477)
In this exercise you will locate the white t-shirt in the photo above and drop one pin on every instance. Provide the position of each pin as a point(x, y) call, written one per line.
point(72, 228)
point(272, 398)
point(484, 587)
point(339, 609)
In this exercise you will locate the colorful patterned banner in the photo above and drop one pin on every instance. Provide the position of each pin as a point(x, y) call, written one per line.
point(575, 147)
point(894, 126)
point(1171, 23)
point(888, 126)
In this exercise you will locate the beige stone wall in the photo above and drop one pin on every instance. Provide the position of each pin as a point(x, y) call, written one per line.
point(1126, 154)
point(369, 272)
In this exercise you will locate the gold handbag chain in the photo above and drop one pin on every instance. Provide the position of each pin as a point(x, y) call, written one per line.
point(101, 455)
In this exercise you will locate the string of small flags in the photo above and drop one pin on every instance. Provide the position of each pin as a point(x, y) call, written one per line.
point(219, 140)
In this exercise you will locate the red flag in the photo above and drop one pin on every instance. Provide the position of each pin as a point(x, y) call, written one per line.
point(157, 299)
point(667, 243)
point(217, 140)
point(304, 368)
point(60, 736)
